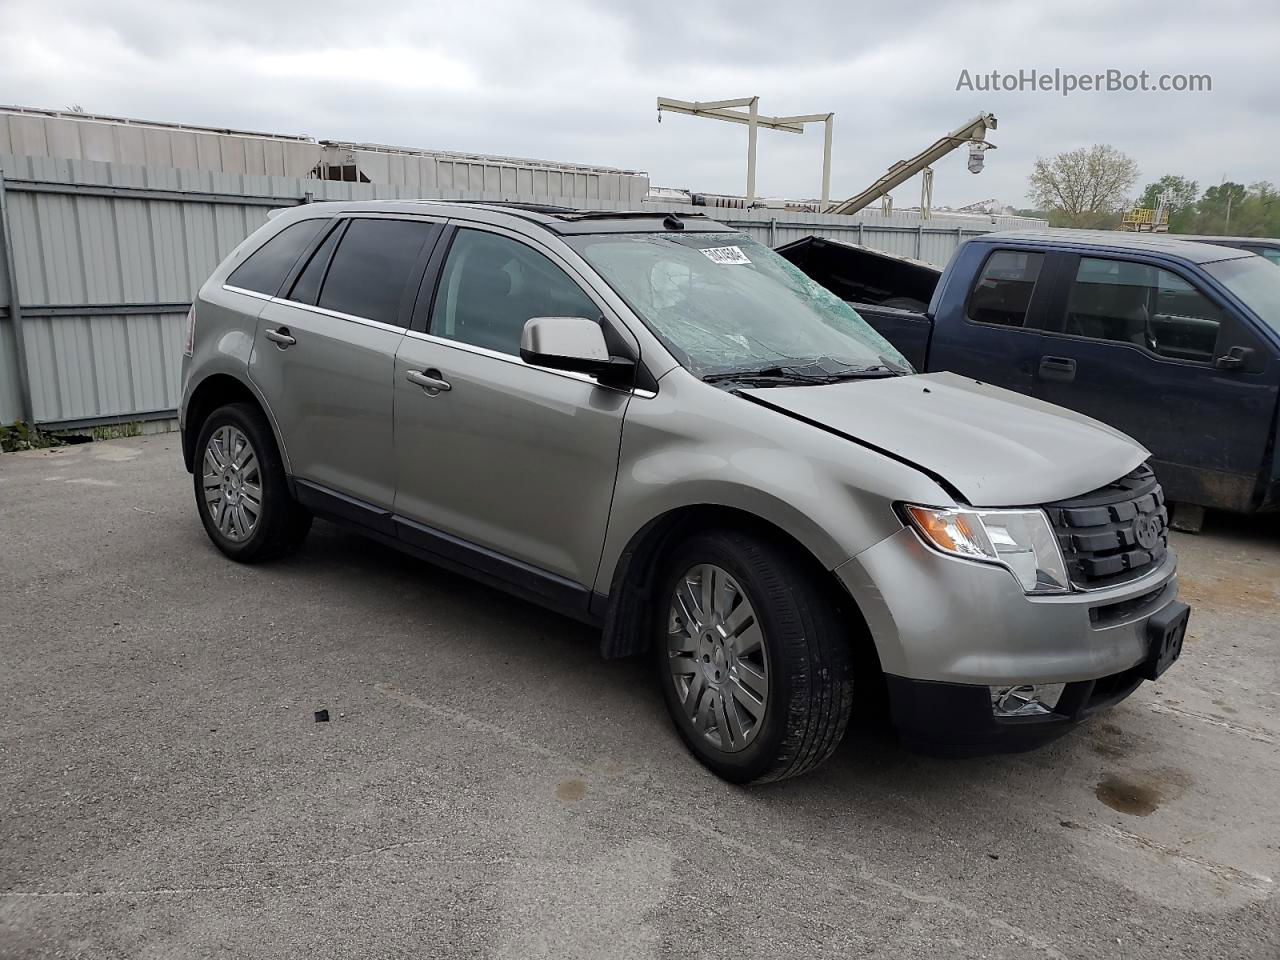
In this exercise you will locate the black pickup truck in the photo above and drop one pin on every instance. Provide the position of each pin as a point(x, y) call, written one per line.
point(1175, 343)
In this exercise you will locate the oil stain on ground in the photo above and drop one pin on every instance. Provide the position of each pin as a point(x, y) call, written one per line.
point(1125, 796)
point(571, 790)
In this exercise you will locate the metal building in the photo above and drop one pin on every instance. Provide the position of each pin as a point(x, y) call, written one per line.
point(65, 135)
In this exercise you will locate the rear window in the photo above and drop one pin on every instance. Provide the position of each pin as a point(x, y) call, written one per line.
point(372, 266)
point(267, 267)
point(1002, 293)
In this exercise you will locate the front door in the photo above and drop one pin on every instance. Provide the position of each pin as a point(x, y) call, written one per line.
point(1135, 344)
point(990, 333)
point(325, 354)
point(513, 465)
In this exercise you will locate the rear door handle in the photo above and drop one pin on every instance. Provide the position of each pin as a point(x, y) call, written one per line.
point(1057, 368)
point(428, 380)
point(281, 336)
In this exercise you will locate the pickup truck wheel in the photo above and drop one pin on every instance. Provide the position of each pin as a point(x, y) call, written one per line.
point(241, 491)
point(753, 662)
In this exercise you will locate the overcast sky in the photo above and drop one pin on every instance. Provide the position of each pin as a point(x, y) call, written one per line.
point(573, 81)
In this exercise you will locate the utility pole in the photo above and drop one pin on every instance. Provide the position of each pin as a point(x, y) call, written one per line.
point(722, 110)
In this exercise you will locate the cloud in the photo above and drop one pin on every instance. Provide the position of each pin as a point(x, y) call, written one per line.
point(577, 81)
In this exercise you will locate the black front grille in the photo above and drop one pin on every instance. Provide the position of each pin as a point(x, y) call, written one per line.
point(1102, 533)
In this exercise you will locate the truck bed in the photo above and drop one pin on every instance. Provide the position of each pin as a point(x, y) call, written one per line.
point(890, 292)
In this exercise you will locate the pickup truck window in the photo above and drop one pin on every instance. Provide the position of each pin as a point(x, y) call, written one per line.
point(1129, 302)
point(1003, 290)
point(724, 303)
point(1256, 282)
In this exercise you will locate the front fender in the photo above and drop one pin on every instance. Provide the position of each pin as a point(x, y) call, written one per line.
point(696, 445)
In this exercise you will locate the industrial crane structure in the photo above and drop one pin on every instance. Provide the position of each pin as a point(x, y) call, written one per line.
point(974, 133)
point(722, 110)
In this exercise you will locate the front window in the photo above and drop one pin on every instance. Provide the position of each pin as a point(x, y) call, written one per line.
point(1127, 301)
point(1256, 282)
point(723, 303)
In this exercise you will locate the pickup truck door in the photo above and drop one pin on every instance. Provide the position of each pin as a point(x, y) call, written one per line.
point(505, 468)
point(1137, 343)
point(988, 331)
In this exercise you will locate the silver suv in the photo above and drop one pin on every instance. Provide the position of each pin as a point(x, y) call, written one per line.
point(657, 425)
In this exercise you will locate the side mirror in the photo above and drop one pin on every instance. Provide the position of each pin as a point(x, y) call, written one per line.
point(576, 344)
point(1235, 359)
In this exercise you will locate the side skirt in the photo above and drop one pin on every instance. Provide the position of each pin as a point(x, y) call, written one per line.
point(452, 553)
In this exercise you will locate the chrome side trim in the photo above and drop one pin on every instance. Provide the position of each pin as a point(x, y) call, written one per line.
point(248, 293)
point(517, 361)
point(337, 315)
point(442, 341)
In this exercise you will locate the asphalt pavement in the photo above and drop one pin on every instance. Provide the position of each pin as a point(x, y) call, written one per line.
point(486, 786)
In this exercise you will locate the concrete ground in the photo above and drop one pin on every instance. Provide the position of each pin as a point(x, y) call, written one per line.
point(486, 786)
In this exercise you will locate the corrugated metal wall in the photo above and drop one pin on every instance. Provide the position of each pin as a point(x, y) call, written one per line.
point(108, 256)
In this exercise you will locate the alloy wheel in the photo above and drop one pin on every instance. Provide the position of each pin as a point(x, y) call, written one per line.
point(232, 483)
point(716, 653)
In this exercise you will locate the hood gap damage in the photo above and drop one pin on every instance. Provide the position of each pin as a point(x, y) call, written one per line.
point(937, 478)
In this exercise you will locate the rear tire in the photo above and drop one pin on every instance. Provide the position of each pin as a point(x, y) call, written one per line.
point(762, 638)
point(241, 491)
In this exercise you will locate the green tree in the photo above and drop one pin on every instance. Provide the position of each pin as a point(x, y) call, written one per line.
point(1218, 207)
point(1087, 187)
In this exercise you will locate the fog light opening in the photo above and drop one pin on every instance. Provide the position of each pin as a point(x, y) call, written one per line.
point(1026, 699)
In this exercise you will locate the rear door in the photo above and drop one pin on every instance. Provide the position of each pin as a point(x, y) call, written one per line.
point(989, 331)
point(1133, 343)
point(324, 358)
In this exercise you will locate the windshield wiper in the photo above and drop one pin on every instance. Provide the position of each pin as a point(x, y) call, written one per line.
point(789, 374)
point(777, 374)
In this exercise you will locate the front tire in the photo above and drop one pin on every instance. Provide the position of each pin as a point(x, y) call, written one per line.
point(754, 663)
point(241, 491)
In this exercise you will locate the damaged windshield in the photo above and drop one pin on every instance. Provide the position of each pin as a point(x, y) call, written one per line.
point(724, 304)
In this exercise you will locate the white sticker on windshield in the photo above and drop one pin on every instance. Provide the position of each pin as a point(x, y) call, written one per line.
point(725, 255)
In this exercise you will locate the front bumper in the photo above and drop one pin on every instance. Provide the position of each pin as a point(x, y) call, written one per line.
point(947, 629)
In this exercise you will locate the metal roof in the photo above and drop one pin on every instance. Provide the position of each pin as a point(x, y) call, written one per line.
point(1117, 240)
point(1271, 243)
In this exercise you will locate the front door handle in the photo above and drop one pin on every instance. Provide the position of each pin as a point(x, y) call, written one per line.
point(1057, 368)
point(428, 380)
point(281, 337)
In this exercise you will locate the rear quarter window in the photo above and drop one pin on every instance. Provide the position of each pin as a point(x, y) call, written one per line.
point(1002, 292)
point(267, 266)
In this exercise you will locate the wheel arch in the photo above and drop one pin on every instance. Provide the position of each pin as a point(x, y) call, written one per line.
point(628, 619)
point(214, 391)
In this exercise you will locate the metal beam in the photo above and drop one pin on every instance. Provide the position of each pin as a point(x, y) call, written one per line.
point(15, 305)
point(717, 110)
point(828, 123)
point(109, 420)
point(148, 193)
point(103, 309)
point(904, 170)
point(714, 110)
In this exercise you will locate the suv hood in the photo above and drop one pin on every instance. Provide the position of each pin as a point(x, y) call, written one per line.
point(996, 447)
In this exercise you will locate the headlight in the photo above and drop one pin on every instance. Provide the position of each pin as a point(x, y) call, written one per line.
point(1020, 540)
